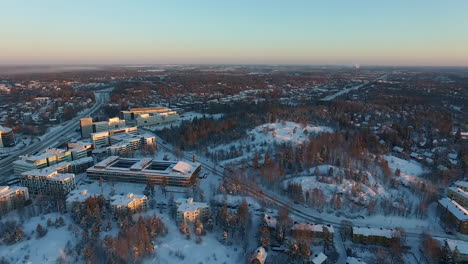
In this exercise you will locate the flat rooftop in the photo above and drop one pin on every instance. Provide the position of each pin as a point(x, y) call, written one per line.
point(147, 110)
point(4, 129)
point(455, 208)
point(459, 191)
point(312, 227)
point(8, 190)
point(126, 200)
point(368, 231)
point(147, 166)
point(51, 172)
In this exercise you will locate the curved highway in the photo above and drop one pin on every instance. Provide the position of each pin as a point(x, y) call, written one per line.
point(52, 138)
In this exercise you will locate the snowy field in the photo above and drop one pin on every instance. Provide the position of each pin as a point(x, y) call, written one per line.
point(38, 250)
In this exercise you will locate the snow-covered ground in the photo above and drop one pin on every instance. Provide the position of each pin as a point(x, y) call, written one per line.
point(209, 251)
point(357, 192)
point(39, 250)
point(280, 132)
point(410, 170)
point(271, 133)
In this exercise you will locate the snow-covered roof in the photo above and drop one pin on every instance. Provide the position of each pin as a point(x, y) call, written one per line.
point(82, 161)
point(452, 155)
point(8, 190)
point(141, 164)
point(462, 246)
point(397, 149)
point(459, 191)
point(351, 260)
point(38, 157)
point(270, 221)
point(260, 254)
point(5, 129)
point(319, 259)
point(147, 166)
point(78, 149)
point(455, 208)
point(368, 231)
point(56, 151)
point(79, 196)
point(184, 167)
point(126, 200)
point(51, 173)
point(312, 227)
point(188, 205)
point(462, 184)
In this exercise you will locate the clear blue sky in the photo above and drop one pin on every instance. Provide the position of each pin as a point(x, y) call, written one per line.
point(393, 32)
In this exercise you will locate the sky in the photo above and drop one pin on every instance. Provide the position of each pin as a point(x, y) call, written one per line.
point(365, 32)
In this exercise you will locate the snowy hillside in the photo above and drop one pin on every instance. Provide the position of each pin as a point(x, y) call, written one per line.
point(362, 192)
point(271, 133)
point(410, 170)
point(280, 132)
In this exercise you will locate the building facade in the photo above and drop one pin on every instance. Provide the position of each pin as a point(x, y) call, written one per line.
point(129, 203)
point(374, 236)
point(50, 157)
point(151, 116)
point(190, 211)
point(462, 185)
point(54, 181)
point(7, 137)
point(103, 139)
point(122, 143)
point(12, 197)
point(458, 195)
point(454, 214)
point(309, 232)
point(88, 127)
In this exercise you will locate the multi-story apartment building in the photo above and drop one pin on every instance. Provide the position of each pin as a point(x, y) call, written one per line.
point(455, 214)
point(26, 163)
point(458, 195)
point(102, 139)
point(173, 173)
point(149, 116)
point(462, 185)
point(88, 126)
point(130, 202)
point(61, 154)
point(80, 165)
point(12, 197)
point(129, 142)
point(7, 137)
point(48, 158)
point(82, 144)
point(190, 211)
point(367, 235)
point(51, 181)
point(308, 231)
point(79, 153)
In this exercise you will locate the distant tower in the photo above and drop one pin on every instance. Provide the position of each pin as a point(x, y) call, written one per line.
point(357, 66)
point(86, 126)
point(7, 138)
